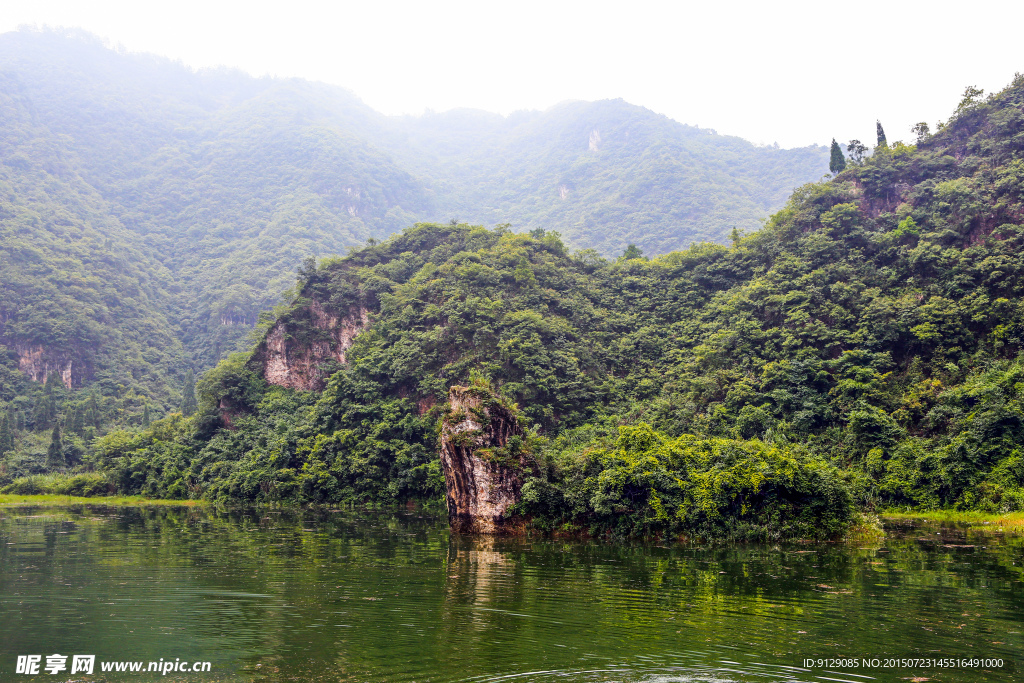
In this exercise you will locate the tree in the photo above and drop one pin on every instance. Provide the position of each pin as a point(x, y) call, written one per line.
point(880, 132)
point(76, 422)
point(837, 162)
point(856, 149)
point(53, 383)
point(145, 416)
point(632, 252)
point(304, 272)
point(43, 412)
point(55, 453)
point(972, 94)
point(6, 435)
point(523, 273)
point(921, 130)
point(188, 398)
point(93, 413)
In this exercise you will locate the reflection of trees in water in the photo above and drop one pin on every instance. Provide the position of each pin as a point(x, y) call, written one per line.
point(348, 594)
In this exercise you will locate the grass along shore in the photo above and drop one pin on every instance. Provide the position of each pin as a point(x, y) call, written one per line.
point(1006, 521)
point(57, 500)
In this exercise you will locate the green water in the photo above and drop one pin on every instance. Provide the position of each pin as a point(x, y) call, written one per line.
point(393, 597)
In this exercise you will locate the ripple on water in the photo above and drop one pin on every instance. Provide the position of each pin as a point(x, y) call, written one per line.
point(343, 597)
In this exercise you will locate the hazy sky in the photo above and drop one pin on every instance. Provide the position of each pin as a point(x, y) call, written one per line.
point(795, 73)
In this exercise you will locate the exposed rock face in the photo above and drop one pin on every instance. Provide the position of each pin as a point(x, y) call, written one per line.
point(481, 484)
point(297, 364)
point(37, 362)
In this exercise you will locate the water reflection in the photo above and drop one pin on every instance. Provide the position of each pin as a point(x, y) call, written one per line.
point(392, 597)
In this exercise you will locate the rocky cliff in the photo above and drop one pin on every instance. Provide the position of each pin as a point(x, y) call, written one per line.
point(484, 457)
point(299, 351)
point(38, 362)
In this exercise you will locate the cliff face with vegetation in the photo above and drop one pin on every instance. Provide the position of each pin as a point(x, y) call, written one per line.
point(485, 455)
point(150, 213)
point(862, 350)
point(306, 363)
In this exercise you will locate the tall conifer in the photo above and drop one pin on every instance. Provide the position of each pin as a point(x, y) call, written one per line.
point(55, 453)
point(880, 132)
point(6, 435)
point(837, 162)
point(188, 399)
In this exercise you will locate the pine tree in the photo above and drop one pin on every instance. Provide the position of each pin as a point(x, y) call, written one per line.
point(77, 420)
point(41, 413)
point(188, 399)
point(6, 435)
point(145, 416)
point(880, 132)
point(838, 162)
point(54, 383)
point(55, 453)
point(94, 416)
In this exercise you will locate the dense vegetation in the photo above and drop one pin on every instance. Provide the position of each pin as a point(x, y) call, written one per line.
point(228, 181)
point(861, 350)
point(149, 213)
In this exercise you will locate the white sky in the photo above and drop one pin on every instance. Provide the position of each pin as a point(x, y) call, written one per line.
point(795, 73)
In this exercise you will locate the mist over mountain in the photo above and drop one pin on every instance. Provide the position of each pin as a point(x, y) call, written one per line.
point(150, 212)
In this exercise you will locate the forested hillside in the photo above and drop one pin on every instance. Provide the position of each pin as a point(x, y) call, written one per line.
point(862, 350)
point(605, 174)
point(149, 212)
point(233, 180)
point(83, 300)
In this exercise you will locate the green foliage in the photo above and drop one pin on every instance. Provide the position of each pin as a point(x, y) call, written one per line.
point(6, 435)
point(880, 134)
point(837, 162)
point(864, 345)
point(87, 484)
point(148, 213)
point(645, 482)
point(633, 252)
point(55, 452)
point(188, 395)
point(856, 149)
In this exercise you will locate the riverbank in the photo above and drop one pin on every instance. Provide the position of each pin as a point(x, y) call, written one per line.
point(57, 500)
point(865, 527)
point(998, 522)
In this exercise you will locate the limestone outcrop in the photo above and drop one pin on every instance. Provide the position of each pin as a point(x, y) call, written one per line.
point(297, 352)
point(484, 455)
point(38, 362)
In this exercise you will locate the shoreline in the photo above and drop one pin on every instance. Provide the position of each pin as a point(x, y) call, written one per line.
point(982, 521)
point(8, 500)
point(1012, 522)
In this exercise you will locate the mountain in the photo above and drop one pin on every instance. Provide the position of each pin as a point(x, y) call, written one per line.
point(80, 295)
point(150, 212)
point(604, 174)
point(862, 350)
point(233, 180)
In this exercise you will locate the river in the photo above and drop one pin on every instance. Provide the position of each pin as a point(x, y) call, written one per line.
point(262, 595)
